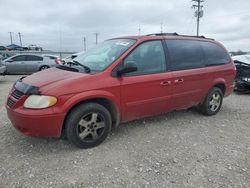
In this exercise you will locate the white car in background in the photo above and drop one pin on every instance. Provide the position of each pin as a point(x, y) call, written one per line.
point(242, 58)
point(28, 63)
point(2, 68)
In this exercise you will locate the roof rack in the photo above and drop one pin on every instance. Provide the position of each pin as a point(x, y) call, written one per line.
point(176, 34)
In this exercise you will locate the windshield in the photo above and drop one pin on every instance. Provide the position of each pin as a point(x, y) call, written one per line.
point(104, 54)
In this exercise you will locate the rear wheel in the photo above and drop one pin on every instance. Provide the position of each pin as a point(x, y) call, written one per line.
point(212, 103)
point(88, 125)
point(44, 67)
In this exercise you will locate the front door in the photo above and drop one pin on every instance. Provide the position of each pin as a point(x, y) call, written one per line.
point(147, 91)
point(16, 65)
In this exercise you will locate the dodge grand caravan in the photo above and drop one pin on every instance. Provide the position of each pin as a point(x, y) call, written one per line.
point(120, 80)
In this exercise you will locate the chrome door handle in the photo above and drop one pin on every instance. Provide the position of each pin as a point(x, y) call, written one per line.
point(165, 83)
point(179, 81)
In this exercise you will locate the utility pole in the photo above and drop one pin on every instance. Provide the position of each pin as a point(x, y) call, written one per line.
point(96, 38)
point(139, 30)
point(84, 43)
point(11, 41)
point(198, 13)
point(161, 27)
point(20, 39)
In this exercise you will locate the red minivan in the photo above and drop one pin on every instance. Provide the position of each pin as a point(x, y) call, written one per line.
point(120, 80)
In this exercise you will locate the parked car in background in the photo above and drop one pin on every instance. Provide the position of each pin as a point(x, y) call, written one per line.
point(2, 68)
point(242, 80)
point(71, 57)
point(2, 48)
point(5, 55)
point(34, 47)
point(28, 64)
point(120, 80)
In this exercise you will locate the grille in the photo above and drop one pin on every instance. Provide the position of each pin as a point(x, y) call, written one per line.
point(14, 97)
point(17, 94)
point(10, 103)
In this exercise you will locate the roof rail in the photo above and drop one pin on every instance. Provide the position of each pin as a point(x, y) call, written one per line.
point(161, 34)
point(176, 34)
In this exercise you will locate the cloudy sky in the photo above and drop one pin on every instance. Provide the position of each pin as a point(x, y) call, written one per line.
point(49, 23)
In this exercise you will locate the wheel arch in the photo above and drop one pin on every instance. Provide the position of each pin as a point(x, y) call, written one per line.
point(107, 102)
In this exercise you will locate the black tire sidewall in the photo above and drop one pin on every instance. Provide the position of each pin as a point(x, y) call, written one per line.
point(74, 118)
point(44, 67)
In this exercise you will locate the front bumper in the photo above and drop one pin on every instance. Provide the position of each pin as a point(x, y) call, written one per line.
point(30, 124)
point(2, 69)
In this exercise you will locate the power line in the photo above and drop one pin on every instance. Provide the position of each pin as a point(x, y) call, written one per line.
point(198, 13)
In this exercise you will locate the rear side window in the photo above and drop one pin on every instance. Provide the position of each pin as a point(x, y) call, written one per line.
point(34, 58)
point(214, 54)
point(185, 54)
point(19, 58)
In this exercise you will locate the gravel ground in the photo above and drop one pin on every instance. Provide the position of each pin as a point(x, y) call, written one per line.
point(179, 149)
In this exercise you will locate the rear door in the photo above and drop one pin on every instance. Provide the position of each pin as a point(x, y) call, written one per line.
point(147, 91)
point(189, 75)
point(16, 65)
point(33, 63)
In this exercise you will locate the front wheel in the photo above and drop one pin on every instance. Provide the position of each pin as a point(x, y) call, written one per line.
point(88, 125)
point(212, 103)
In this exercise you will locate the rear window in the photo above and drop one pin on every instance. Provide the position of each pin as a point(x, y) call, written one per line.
point(185, 54)
point(214, 54)
point(51, 57)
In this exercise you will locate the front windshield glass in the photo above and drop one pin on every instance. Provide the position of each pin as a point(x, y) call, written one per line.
point(104, 54)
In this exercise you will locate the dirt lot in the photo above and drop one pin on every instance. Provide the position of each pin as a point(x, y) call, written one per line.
point(179, 149)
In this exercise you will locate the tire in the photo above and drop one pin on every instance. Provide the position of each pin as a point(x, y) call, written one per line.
point(212, 103)
point(44, 67)
point(88, 125)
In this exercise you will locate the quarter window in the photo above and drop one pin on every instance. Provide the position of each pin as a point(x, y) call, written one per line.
point(185, 54)
point(214, 54)
point(149, 58)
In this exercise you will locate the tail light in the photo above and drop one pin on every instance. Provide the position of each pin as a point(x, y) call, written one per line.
point(58, 61)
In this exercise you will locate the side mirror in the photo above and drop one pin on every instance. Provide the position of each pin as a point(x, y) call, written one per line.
point(130, 66)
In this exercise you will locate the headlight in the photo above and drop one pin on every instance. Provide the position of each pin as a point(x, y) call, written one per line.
point(39, 101)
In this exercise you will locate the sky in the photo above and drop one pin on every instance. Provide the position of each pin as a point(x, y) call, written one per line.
point(61, 25)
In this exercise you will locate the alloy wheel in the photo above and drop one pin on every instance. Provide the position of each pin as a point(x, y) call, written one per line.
point(91, 127)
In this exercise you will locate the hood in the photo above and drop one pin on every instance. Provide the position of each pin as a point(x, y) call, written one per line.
point(55, 80)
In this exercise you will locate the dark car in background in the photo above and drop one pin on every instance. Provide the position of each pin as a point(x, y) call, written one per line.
point(242, 80)
point(2, 48)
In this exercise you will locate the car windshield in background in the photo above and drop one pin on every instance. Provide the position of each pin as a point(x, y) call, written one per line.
point(104, 54)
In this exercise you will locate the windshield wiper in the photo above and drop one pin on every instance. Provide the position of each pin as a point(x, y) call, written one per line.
point(87, 69)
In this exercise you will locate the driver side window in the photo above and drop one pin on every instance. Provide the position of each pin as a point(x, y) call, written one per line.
point(149, 58)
